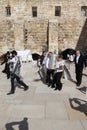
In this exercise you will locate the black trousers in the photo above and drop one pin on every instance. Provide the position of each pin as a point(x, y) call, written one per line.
point(79, 75)
point(7, 70)
point(49, 77)
point(57, 80)
point(13, 77)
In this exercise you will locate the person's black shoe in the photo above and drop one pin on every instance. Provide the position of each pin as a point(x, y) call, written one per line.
point(10, 93)
point(78, 84)
point(3, 71)
point(56, 89)
point(8, 77)
point(53, 86)
point(49, 85)
point(26, 88)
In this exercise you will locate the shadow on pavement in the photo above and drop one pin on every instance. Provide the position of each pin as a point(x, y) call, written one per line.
point(73, 81)
point(83, 89)
point(84, 74)
point(22, 125)
point(79, 105)
point(37, 80)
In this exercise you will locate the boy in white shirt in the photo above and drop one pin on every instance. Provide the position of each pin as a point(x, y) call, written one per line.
point(58, 73)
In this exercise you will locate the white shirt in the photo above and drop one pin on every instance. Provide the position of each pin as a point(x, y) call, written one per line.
point(14, 60)
point(48, 63)
point(71, 58)
point(77, 59)
point(59, 65)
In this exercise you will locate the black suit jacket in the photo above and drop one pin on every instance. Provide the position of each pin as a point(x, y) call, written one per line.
point(81, 62)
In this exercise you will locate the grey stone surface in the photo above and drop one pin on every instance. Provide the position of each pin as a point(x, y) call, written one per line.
point(40, 107)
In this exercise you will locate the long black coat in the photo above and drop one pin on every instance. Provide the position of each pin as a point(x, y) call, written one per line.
point(81, 62)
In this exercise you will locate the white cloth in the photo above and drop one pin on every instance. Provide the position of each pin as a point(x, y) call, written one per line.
point(25, 55)
point(59, 65)
point(47, 63)
point(53, 61)
point(29, 58)
point(14, 60)
point(45, 59)
point(71, 58)
point(50, 62)
point(77, 59)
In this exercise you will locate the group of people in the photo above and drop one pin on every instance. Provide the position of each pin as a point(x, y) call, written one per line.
point(51, 65)
point(54, 66)
point(12, 69)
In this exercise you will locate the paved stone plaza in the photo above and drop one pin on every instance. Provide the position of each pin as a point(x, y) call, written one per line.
point(42, 108)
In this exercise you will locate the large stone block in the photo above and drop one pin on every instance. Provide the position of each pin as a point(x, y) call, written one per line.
point(68, 32)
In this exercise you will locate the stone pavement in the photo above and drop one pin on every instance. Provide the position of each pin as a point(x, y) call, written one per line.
point(42, 108)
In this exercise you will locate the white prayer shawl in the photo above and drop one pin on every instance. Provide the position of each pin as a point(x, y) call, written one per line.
point(53, 61)
point(45, 59)
point(15, 65)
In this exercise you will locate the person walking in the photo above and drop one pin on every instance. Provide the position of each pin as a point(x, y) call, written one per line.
point(79, 64)
point(6, 69)
point(15, 72)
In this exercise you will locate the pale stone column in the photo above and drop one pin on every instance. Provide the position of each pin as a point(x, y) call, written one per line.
point(53, 35)
point(19, 35)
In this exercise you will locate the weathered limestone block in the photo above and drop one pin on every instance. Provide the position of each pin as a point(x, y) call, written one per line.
point(53, 35)
point(70, 30)
point(37, 34)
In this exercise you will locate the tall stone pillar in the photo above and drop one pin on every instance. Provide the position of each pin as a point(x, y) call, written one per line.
point(19, 35)
point(53, 35)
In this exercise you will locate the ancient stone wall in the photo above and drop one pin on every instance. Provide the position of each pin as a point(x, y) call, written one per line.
point(7, 39)
point(70, 32)
point(36, 35)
